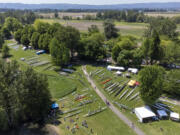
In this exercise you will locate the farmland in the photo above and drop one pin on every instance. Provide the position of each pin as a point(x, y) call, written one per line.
point(101, 123)
point(125, 28)
point(164, 14)
point(73, 15)
point(136, 29)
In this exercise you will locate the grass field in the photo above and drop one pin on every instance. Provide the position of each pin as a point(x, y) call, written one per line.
point(104, 123)
point(70, 14)
point(163, 127)
point(164, 14)
point(135, 29)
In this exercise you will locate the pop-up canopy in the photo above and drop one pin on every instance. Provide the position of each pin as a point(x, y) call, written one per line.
point(54, 106)
point(144, 113)
point(162, 113)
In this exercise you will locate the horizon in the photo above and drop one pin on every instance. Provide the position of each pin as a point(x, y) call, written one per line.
point(89, 2)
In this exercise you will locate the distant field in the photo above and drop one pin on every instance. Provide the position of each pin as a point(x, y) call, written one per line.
point(135, 29)
point(164, 14)
point(73, 15)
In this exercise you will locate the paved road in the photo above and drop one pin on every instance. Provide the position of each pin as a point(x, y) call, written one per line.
point(111, 106)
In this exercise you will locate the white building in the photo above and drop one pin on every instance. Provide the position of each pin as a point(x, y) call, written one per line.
point(133, 70)
point(144, 114)
point(111, 68)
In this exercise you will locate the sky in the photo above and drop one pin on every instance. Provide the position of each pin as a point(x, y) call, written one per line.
point(91, 2)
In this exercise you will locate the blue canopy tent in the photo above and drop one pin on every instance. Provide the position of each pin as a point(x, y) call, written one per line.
point(54, 106)
point(40, 52)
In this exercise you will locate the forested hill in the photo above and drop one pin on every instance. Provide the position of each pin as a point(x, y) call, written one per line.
point(171, 5)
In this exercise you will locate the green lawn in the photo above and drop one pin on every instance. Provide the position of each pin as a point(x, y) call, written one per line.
point(104, 123)
point(165, 127)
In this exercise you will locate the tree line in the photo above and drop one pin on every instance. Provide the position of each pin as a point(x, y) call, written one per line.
point(24, 96)
point(24, 16)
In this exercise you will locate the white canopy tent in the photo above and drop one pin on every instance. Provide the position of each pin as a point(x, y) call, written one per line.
point(110, 68)
point(133, 70)
point(174, 116)
point(119, 73)
point(144, 114)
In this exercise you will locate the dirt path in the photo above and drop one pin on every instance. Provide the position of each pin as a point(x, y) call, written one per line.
point(111, 106)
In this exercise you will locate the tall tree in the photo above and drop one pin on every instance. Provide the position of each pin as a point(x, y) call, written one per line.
point(8, 93)
point(92, 47)
point(6, 33)
point(110, 30)
point(70, 37)
point(1, 40)
point(44, 41)
point(18, 35)
point(156, 52)
point(152, 50)
point(151, 83)
point(12, 24)
point(35, 39)
point(146, 49)
point(5, 51)
point(59, 52)
point(172, 83)
point(25, 40)
point(164, 26)
point(37, 97)
point(41, 27)
point(56, 15)
point(93, 29)
point(124, 53)
point(24, 95)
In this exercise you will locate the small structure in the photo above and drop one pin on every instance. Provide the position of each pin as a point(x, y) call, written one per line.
point(132, 83)
point(118, 73)
point(162, 114)
point(29, 47)
point(54, 106)
point(40, 52)
point(127, 75)
point(24, 48)
point(111, 68)
point(174, 116)
point(145, 114)
point(22, 59)
point(133, 70)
